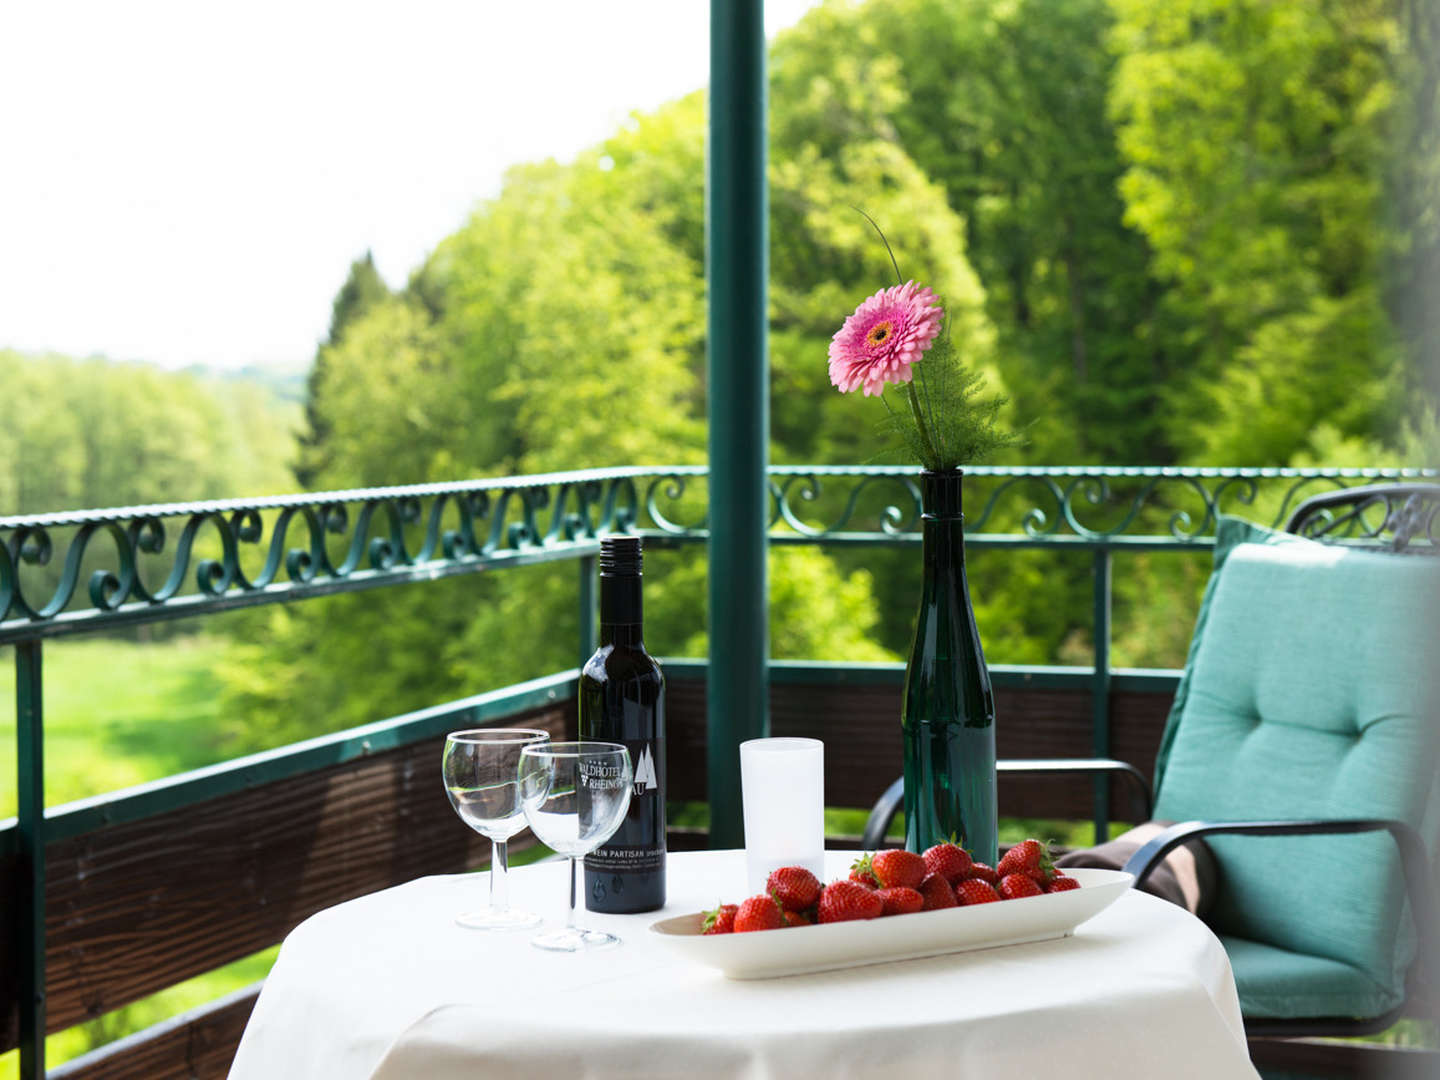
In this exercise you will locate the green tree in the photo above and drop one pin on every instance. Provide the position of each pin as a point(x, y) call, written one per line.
point(1412, 282)
point(1003, 107)
point(835, 148)
point(363, 289)
point(1257, 136)
point(98, 433)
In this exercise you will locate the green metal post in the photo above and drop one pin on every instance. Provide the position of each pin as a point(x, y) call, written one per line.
point(737, 269)
point(588, 613)
point(30, 786)
point(1100, 692)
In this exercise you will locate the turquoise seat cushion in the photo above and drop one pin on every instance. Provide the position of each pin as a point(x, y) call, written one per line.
point(1309, 693)
point(1275, 984)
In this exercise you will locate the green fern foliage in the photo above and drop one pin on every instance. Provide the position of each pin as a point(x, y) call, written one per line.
point(945, 421)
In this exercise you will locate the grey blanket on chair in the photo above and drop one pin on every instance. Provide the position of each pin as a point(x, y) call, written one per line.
point(1187, 876)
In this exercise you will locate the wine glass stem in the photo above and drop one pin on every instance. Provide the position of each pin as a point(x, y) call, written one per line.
point(574, 871)
point(499, 872)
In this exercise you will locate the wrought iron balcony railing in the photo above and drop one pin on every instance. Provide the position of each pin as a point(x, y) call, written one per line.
point(146, 563)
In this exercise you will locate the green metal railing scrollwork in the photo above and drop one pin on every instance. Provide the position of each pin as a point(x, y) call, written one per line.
point(240, 552)
point(1050, 502)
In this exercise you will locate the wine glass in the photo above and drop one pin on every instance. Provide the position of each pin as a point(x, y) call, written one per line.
point(575, 795)
point(481, 772)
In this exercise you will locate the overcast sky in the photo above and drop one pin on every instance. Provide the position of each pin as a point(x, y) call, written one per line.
point(186, 183)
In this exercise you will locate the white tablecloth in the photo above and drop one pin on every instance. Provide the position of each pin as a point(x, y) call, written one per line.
point(388, 987)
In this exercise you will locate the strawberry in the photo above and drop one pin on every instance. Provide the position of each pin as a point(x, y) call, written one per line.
point(793, 887)
point(894, 867)
point(937, 893)
point(900, 900)
point(843, 901)
point(974, 891)
point(1029, 857)
point(950, 861)
point(758, 913)
point(720, 921)
point(984, 873)
point(1061, 883)
point(860, 872)
point(795, 918)
point(1015, 886)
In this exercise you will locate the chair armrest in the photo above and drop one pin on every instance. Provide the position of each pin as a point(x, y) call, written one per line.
point(888, 805)
point(1414, 862)
point(881, 815)
point(1091, 766)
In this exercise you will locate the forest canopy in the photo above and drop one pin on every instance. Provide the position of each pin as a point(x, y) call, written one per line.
point(93, 433)
point(1169, 233)
point(1197, 232)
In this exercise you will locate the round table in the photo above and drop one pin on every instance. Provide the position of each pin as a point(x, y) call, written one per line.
point(388, 987)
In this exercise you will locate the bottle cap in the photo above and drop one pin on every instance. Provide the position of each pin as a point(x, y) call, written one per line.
point(621, 556)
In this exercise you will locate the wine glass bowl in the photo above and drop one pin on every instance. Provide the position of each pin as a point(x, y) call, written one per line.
point(574, 795)
point(481, 771)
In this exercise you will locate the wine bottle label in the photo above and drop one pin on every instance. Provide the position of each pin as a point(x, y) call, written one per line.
point(626, 860)
point(645, 780)
point(638, 846)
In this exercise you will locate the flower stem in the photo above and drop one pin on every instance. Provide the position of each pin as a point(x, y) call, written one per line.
point(932, 459)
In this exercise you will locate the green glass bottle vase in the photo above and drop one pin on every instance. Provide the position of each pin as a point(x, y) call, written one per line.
point(948, 722)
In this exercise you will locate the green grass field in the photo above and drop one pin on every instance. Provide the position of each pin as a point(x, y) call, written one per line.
point(119, 713)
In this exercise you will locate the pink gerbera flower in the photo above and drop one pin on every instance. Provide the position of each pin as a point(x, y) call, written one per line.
point(887, 334)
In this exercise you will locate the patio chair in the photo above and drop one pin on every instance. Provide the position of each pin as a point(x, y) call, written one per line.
point(1301, 746)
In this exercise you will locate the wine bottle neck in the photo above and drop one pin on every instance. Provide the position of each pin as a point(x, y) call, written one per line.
point(943, 539)
point(622, 611)
point(942, 520)
point(622, 634)
point(942, 495)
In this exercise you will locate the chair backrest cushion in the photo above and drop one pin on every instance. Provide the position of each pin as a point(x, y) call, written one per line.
point(1309, 693)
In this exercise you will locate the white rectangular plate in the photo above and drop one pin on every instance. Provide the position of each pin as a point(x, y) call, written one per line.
point(799, 950)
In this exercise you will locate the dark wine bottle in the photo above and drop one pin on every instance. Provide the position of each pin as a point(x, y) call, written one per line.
point(622, 700)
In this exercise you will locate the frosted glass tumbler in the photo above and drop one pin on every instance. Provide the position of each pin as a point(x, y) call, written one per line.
point(782, 783)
